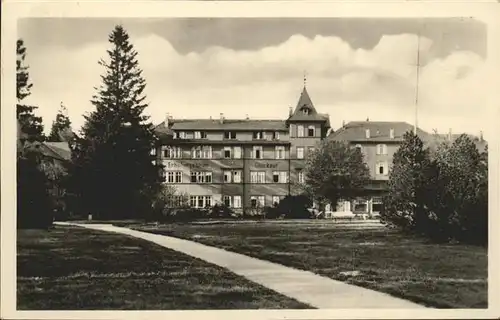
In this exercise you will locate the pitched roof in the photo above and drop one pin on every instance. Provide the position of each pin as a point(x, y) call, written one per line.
point(434, 140)
point(226, 124)
point(58, 150)
point(379, 131)
point(305, 102)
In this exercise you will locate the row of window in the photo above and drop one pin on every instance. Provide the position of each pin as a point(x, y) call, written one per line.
point(205, 152)
point(228, 135)
point(302, 131)
point(229, 201)
point(381, 149)
point(230, 176)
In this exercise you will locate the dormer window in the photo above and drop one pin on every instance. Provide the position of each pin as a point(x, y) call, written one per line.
point(367, 133)
point(391, 133)
point(306, 111)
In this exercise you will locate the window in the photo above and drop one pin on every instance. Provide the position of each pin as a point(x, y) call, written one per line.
point(229, 135)
point(290, 131)
point(300, 152)
point(200, 201)
point(382, 168)
point(153, 152)
point(300, 131)
point(172, 152)
point(276, 135)
point(201, 152)
point(227, 152)
point(237, 152)
point(280, 152)
point(237, 176)
point(310, 131)
point(277, 200)
point(227, 176)
point(259, 135)
point(237, 202)
point(227, 201)
point(257, 201)
point(257, 152)
point(182, 135)
point(310, 151)
point(381, 149)
point(257, 177)
point(232, 176)
point(280, 176)
point(201, 177)
point(305, 111)
point(192, 201)
point(206, 152)
point(173, 177)
point(301, 177)
point(175, 201)
point(391, 133)
point(200, 135)
point(367, 133)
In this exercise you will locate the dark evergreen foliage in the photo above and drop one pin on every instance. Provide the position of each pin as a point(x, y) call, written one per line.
point(443, 197)
point(61, 127)
point(34, 204)
point(31, 125)
point(114, 173)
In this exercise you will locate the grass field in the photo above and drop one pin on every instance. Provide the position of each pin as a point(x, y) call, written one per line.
point(443, 276)
point(69, 268)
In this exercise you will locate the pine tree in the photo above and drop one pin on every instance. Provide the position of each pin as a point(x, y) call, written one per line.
point(410, 183)
point(31, 125)
point(114, 173)
point(335, 171)
point(61, 127)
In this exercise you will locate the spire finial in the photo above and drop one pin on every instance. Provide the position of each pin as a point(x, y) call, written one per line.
point(305, 78)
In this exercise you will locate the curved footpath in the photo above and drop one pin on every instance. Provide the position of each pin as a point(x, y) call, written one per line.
point(317, 291)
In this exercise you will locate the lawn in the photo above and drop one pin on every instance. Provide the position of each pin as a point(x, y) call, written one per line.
point(69, 268)
point(436, 275)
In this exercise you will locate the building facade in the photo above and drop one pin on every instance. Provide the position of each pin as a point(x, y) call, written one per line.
point(378, 142)
point(242, 163)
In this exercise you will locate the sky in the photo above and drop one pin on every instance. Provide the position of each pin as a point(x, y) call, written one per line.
point(200, 67)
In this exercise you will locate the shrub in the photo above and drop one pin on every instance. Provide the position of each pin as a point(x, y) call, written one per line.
point(272, 212)
point(221, 212)
point(295, 207)
point(189, 214)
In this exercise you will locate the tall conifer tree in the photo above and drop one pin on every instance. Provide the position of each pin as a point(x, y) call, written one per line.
point(114, 172)
point(61, 127)
point(31, 125)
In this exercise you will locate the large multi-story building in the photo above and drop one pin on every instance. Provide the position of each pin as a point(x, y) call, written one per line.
point(378, 141)
point(242, 163)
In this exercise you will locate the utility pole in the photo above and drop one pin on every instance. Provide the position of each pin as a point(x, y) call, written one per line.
point(417, 84)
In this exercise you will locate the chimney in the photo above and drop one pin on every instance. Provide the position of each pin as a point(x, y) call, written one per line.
point(449, 135)
point(367, 119)
point(367, 133)
point(221, 118)
point(391, 133)
point(290, 111)
point(167, 119)
point(247, 117)
point(343, 123)
point(481, 136)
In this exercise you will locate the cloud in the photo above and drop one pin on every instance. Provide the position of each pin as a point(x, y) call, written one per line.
point(349, 84)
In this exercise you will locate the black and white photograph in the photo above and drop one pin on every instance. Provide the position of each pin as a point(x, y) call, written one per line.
point(251, 163)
